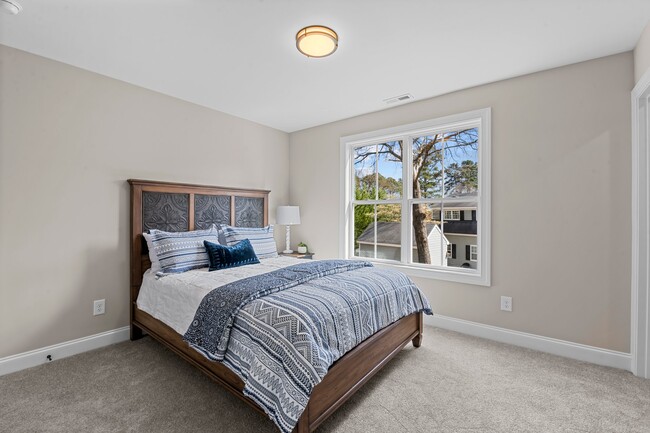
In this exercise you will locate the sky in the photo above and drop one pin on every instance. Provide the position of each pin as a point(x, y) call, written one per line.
point(393, 169)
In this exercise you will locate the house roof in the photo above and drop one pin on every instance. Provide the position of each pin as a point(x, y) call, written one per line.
point(470, 201)
point(389, 233)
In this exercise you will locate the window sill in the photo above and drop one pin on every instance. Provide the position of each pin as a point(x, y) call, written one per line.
point(456, 275)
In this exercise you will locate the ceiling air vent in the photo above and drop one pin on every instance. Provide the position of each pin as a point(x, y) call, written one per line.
point(400, 98)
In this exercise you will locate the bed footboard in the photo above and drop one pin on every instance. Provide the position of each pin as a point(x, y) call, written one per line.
point(353, 370)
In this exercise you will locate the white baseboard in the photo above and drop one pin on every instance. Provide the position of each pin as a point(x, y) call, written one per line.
point(581, 352)
point(14, 363)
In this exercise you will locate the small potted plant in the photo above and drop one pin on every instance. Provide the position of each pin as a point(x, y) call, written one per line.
point(302, 248)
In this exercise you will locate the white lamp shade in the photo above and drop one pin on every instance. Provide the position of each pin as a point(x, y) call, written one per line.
point(288, 215)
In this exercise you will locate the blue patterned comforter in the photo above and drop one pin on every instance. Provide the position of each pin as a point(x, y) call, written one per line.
point(281, 331)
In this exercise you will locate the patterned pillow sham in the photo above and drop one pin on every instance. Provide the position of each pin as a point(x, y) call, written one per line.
point(174, 252)
point(223, 257)
point(261, 239)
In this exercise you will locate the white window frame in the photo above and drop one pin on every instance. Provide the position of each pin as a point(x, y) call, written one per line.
point(478, 118)
point(452, 212)
point(473, 253)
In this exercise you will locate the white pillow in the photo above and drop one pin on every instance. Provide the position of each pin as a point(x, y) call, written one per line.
point(173, 252)
point(260, 237)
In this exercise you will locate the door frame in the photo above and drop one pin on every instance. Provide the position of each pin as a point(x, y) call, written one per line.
point(640, 313)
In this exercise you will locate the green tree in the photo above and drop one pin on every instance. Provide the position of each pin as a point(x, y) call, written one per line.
point(461, 179)
point(364, 214)
point(388, 186)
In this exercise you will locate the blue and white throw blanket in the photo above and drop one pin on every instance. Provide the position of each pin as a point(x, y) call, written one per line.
point(281, 331)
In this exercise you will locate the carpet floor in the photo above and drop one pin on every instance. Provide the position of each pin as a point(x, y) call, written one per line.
point(453, 383)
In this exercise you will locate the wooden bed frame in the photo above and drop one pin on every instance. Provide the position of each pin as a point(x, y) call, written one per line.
point(344, 377)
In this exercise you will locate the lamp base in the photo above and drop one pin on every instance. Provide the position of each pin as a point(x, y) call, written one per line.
point(287, 251)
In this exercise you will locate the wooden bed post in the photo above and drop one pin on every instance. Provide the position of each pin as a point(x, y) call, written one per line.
point(417, 341)
point(136, 256)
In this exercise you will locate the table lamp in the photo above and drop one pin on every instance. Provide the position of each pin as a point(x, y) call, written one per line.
point(288, 216)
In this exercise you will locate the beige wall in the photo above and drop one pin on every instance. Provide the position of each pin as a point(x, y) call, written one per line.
point(561, 181)
point(69, 139)
point(642, 54)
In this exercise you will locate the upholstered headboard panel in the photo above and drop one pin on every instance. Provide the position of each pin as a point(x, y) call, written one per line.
point(175, 207)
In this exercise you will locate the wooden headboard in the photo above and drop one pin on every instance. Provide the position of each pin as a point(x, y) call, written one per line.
point(176, 207)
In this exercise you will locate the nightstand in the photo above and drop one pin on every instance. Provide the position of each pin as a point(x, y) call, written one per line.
point(297, 255)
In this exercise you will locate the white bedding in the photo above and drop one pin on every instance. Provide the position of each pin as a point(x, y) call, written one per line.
point(174, 298)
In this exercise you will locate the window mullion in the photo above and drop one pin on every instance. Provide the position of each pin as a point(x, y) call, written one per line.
point(351, 192)
point(379, 202)
point(407, 194)
point(375, 234)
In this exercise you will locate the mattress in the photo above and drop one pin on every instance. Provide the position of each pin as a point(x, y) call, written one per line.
point(174, 298)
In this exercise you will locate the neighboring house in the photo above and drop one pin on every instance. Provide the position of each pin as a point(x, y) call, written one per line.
point(461, 235)
point(459, 240)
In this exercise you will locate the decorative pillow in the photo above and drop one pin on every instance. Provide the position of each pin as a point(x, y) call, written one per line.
point(222, 257)
point(261, 239)
point(153, 258)
point(173, 252)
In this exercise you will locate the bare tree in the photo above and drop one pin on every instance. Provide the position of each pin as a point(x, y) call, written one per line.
point(428, 154)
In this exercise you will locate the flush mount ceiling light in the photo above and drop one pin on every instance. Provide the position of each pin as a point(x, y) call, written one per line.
point(10, 6)
point(317, 41)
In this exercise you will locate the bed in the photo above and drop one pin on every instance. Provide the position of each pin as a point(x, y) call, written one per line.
point(179, 207)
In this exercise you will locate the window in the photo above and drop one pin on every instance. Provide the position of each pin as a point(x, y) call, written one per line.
point(473, 253)
point(452, 215)
point(451, 251)
point(403, 192)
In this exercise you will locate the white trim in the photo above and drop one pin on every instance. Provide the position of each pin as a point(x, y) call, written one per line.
point(477, 118)
point(11, 364)
point(640, 317)
point(567, 349)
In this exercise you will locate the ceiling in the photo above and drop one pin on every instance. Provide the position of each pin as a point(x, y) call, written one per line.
point(239, 56)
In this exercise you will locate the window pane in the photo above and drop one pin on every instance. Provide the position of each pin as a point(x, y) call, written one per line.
point(427, 166)
point(460, 232)
point(428, 243)
point(379, 238)
point(364, 230)
point(389, 168)
point(365, 173)
point(445, 242)
point(461, 163)
point(389, 232)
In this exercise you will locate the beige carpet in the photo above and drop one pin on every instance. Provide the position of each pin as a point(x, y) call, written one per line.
point(453, 383)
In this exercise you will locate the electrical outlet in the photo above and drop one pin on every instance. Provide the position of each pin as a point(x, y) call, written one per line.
point(99, 307)
point(506, 303)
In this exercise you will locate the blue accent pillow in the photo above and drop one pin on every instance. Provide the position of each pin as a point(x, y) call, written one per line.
point(223, 257)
